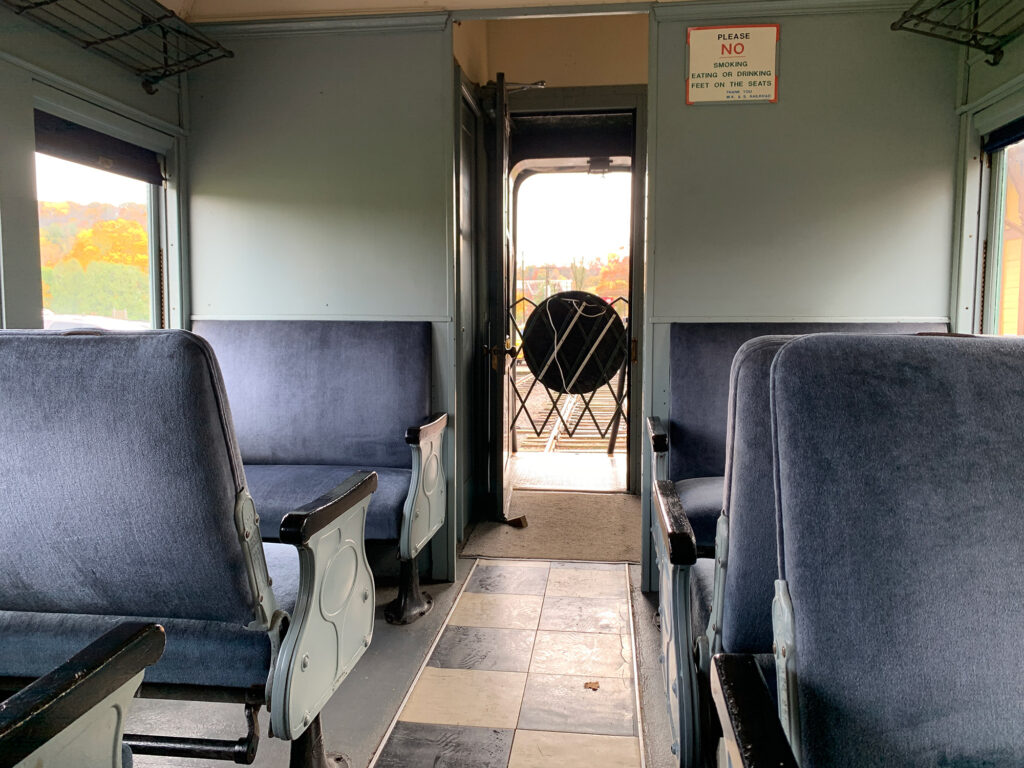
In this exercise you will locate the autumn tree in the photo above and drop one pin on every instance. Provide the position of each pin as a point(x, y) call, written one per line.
point(579, 274)
point(120, 241)
point(613, 280)
point(49, 252)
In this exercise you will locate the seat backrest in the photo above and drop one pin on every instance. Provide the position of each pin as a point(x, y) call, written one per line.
point(749, 501)
point(118, 478)
point(324, 392)
point(700, 356)
point(901, 516)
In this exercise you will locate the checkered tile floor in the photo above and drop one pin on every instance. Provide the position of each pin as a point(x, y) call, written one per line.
point(533, 669)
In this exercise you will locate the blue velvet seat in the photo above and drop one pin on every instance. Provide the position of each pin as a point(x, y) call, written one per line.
point(123, 497)
point(279, 488)
point(195, 649)
point(689, 452)
point(691, 445)
point(314, 401)
point(898, 608)
point(730, 595)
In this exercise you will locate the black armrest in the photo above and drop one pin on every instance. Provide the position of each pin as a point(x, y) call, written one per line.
point(298, 526)
point(680, 543)
point(37, 713)
point(437, 423)
point(659, 437)
point(750, 722)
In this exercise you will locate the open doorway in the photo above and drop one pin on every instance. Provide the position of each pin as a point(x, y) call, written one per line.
point(570, 321)
point(562, 356)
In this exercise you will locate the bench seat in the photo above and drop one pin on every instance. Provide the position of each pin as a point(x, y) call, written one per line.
point(691, 439)
point(315, 400)
point(280, 488)
point(32, 643)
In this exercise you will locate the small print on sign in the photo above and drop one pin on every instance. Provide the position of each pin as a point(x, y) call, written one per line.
point(732, 64)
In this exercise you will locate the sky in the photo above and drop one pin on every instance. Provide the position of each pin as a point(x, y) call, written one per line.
point(566, 215)
point(59, 181)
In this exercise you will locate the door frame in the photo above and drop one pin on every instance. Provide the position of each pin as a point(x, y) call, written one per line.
point(468, 311)
point(631, 98)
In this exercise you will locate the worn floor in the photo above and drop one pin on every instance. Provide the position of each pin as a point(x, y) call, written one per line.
point(359, 716)
point(355, 719)
point(534, 668)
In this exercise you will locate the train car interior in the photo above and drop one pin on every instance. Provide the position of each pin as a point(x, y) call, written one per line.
point(501, 384)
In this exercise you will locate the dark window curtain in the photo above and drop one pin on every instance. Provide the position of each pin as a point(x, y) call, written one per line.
point(1009, 134)
point(70, 141)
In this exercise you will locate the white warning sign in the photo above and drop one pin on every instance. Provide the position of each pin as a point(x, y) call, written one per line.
point(732, 64)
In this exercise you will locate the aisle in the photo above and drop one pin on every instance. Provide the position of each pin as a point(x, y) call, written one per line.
point(534, 668)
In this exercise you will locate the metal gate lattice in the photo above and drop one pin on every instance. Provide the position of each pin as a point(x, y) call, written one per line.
point(570, 375)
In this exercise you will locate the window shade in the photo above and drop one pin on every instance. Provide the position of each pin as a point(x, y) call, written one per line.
point(70, 141)
point(1008, 134)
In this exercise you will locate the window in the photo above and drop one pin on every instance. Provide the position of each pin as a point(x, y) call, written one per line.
point(97, 218)
point(1007, 241)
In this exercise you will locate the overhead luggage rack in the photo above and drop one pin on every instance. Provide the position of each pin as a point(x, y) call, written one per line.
point(140, 35)
point(987, 25)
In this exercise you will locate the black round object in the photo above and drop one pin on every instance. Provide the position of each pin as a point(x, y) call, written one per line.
point(590, 340)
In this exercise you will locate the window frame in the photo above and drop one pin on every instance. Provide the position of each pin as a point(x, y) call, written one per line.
point(167, 220)
point(992, 254)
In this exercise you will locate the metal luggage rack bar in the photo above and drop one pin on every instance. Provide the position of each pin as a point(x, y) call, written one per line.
point(140, 35)
point(987, 25)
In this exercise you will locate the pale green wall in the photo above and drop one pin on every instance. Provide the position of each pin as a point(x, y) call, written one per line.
point(320, 184)
point(833, 203)
point(984, 78)
point(21, 300)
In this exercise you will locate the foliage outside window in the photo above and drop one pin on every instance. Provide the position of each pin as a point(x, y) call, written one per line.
point(94, 247)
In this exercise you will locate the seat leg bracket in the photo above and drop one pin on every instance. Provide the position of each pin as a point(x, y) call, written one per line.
point(412, 603)
point(308, 750)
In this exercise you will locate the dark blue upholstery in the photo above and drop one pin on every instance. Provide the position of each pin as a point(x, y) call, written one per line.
point(110, 515)
point(204, 653)
point(111, 511)
point(314, 401)
point(324, 392)
point(282, 488)
point(750, 501)
point(901, 511)
point(700, 358)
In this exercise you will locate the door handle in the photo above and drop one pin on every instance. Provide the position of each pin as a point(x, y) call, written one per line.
point(497, 352)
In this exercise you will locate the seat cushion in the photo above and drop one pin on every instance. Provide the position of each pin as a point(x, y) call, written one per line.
point(702, 587)
point(204, 653)
point(702, 503)
point(278, 489)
